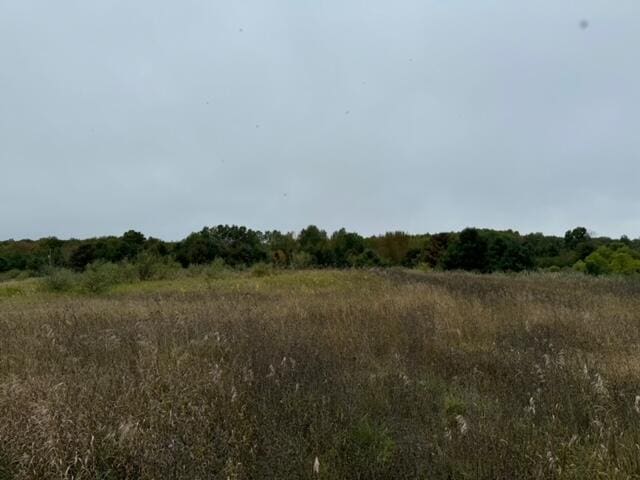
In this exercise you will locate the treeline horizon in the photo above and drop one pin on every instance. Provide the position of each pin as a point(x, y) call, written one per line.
point(472, 249)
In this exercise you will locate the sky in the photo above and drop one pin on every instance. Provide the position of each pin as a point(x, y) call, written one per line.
point(416, 115)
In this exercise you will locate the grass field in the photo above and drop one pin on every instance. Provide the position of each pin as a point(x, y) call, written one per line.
point(326, 374)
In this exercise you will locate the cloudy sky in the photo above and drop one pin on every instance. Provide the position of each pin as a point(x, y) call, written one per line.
point(418, 115)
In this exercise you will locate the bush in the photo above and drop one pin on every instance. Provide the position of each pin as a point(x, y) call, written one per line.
point(126, 272)
point(59, 280)
point(98, 277)
point(302, 260)
point(468, 252)
point(367, 450)
point(149, 266)
point(10, 275)
point(367, 259)
point(23, 275)
point(424, 267)
point(607, 260)
point(168, 269)
point(216, 269)
point(261, 269)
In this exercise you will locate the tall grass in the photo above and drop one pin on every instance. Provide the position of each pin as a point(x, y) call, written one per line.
point(327, 375)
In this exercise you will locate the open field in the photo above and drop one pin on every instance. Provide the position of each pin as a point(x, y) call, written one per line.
point(377, 374)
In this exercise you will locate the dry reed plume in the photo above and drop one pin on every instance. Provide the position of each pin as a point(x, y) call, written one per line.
point(326, 375)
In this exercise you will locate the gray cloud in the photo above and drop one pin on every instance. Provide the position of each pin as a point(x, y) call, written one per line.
point(416, 115)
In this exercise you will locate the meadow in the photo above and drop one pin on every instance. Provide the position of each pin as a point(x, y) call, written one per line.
point(355, 374)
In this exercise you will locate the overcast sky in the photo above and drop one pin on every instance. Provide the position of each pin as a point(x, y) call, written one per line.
point(415, 115)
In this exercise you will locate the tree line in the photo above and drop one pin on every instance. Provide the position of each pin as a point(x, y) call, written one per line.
point(472, 249)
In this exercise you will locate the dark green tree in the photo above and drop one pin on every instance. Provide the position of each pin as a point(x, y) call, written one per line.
point(572, 238)
point(467, 252)
point(367, 259)
point(393, 247)
point(131, 244)
point(345, 246)
point(507, 253)
point(314, 241)
point(83, 255)
point(281, 246)
point(195, 249)
point(436, 248)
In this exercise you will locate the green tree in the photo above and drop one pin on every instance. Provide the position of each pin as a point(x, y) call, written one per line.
point(83, 255)
point(572, 238)
point(436, 248)
point(467, 252)
point(195, 250)
point(235, 245)
point(618, 259)
point(393, 247)
point(367, 259)
point(314, 241)
point(281, 246)
point(507, 253)
point(132, 243)
point(345, 246)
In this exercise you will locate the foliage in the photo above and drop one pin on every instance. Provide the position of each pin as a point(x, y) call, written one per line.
point(345, 247)
point(366, 259)
point(302, 260)
point(59, 280)
point(468, 252)
point(507, 253)
point(480, 250)
point(261, 269)
point(618, 259)
point(236, 245)
point(282, 247)
point(392, 247)
point(315, 243)
point(436, 248)
point(99, 276)
point(366, 450)
point(151, 266)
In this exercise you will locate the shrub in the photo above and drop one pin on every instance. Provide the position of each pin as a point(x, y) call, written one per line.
point(367, 259)
point(9, 292)
point(59, 280)
point(368, 449)
point(168, 269)
point(149, 266)
point(261, 269)
point(468, 252)
point(302, 260)
point(10, 275)
point(453, 406)
point(23, 275)
point(98, 277)
point(215, 270)
point(606, 260)
point(127, 272)
point(424, 267)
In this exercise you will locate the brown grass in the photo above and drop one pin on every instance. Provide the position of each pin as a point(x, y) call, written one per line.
point(379, 375)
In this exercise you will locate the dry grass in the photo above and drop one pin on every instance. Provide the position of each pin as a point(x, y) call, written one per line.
point(377, 375)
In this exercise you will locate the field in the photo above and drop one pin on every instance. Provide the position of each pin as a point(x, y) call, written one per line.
point(323, 374)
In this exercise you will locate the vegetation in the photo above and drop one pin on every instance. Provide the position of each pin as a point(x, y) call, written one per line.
point(618, 259)
point(472, 249)
point(376, 374)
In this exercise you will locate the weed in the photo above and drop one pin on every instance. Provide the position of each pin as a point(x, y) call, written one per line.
point(376, 374)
